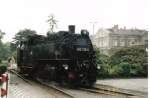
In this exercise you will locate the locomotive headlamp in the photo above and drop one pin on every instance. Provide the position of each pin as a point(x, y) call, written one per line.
point(65, 66)
point(84, 32)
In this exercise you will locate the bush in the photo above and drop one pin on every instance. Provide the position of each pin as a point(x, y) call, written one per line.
point(121, 70)
point(130, 61)
point(103, 71)
point(3, 69)
point(126, 62)
point(124, 69)
point(102, 61)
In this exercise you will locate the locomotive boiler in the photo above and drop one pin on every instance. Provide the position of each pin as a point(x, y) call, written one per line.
point(64, 57)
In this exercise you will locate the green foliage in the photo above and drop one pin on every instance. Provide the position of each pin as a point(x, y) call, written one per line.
point(131, 55)
point(136, 70)
point(1, 35)
point(130, 61)
point(126, 62)
point(124, 69)
point(5, 48)
point(101, 58)
point(102, 61)
point(23, 35)
point(5, 51)
point(3, 69)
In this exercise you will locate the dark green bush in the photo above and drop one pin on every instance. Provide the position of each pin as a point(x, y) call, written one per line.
point(102, 61)
point(126, 62)
point(3, 69)
point(132, 60)
point(124, 69)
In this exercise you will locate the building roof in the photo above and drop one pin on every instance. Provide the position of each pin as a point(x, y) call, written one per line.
point(127, 31)
point(119, 31)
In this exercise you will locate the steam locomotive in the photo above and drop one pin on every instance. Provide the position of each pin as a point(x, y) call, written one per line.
point(64, 57)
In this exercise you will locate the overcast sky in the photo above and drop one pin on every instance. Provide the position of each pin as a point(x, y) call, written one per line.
point(19, 14)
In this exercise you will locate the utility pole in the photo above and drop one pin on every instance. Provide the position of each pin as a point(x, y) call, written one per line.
point(93, 23)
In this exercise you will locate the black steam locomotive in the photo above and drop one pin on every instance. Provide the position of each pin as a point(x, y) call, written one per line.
point(64, 57)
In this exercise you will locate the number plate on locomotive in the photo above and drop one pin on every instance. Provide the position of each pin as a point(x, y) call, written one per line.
point(82, 49)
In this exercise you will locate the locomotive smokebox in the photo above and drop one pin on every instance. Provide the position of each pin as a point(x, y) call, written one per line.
point(71, 28)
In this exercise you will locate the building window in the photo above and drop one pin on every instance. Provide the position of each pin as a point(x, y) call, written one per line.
point(122, 43)
point(132, 42)
point(101, 41)
point(115, 42)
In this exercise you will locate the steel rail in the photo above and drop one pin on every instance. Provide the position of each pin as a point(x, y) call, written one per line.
point(120, 90)
point(42, 83)
point(56, 88)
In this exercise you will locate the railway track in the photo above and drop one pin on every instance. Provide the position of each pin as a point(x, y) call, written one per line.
point(104, 89)
point(45, 84)
point(109, 90)
point(98, 90)
point(127, 92)
point(56, 88)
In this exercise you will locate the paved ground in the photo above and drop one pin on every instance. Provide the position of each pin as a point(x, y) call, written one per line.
point(20, 89)
point(139, 84)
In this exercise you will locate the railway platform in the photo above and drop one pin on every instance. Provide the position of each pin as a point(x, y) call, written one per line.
point(19, 88)
point(137, 84)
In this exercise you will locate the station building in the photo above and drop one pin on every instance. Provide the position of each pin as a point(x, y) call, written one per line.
point(114, 38)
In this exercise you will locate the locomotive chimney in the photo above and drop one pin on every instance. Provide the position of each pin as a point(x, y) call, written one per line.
point(71, 28)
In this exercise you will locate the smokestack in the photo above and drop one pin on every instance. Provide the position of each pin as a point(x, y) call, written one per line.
point(71, 28)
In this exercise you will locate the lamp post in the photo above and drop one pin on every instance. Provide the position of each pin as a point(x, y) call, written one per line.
point(93, 23)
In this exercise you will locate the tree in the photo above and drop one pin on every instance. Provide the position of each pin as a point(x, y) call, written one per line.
point(23, 35)
point(1, 35)
point(52, 23)
point(4, 48)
